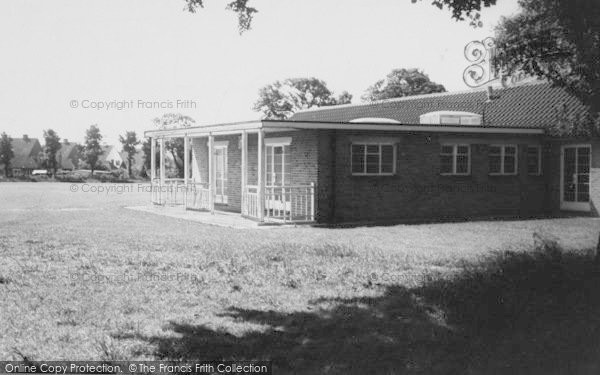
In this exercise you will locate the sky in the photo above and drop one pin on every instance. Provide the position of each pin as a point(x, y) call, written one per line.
point(68, 64)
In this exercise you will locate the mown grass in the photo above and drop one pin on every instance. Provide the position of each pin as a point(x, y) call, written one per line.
point(84, 278)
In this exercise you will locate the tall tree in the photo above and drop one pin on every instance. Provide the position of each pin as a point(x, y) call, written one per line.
point(279, 100)
point(51, 148)
point(129, 142)
point(175, 145)
point(558, 40)
point(402, 82)
point(92, 150)
point(344, 98)
point(6, 152)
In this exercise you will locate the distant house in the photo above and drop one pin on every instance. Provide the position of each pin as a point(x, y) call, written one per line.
point(67, 156)
point(110, 158)
point(26, 155)
point(137, 164)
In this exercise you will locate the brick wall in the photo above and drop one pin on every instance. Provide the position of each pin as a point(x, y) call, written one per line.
point(418, 192)
point(303, 161)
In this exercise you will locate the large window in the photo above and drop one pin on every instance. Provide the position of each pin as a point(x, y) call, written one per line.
point(455, 160)
point(373, 159)
point(503, 160)
point(534, 160)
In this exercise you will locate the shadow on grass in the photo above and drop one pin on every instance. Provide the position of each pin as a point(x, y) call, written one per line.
point(515, 313)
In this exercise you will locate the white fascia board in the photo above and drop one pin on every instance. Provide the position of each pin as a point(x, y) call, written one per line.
point(223, 129)
point(402, 128)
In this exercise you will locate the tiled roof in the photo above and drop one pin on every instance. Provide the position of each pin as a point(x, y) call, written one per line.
point(529, 105)
point(138, 158)
point(67, 155)
point(26, 153)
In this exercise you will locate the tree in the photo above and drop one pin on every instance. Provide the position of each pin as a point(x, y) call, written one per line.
point(129, 143)
point(279, 100)
point(6, 152)
point(92, 150)
point(344, 98)
point(402, 82)
point(460, 9)
point(244, 12)
point(175, 145)
point(51, 149)
point(558, 40)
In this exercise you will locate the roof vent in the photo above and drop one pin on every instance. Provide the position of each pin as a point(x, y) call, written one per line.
point(375, 120)
point(450, 118)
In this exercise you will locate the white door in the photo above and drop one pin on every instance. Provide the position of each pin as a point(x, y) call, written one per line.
point(221, 174)
point(278, 176)
point(575, 177)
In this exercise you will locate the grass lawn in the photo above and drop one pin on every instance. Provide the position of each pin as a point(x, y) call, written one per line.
point(82, 277)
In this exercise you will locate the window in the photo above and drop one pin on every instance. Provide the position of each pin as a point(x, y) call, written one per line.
point(534, 160)
point(455, 160)
point(503, 160)
point(373, 159)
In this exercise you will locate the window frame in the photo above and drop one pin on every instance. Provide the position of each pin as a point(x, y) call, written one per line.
point(365, 145)
point(455, 147)
point(539, 160)
point(502, 155)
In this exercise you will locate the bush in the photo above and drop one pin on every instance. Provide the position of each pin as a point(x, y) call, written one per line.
point(70, 178)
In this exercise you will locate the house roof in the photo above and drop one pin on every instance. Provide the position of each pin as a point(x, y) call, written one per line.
point(25, 153)
point(138, 158)
point(66, 155)
point(530, 105)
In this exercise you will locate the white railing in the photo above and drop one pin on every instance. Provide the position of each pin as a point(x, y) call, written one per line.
point(198, 196)
point(291, 204)
point(250, 205)
point(282, 204)
point(171, 192)
point(155, 190)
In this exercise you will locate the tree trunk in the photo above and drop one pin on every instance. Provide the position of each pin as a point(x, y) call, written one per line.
point(129, 167)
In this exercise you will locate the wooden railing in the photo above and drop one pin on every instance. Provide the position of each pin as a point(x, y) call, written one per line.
point(250, 206)
point(170, 193)
point(155, 189)
point(198, 196)
point(292, 204)
point(283, 204)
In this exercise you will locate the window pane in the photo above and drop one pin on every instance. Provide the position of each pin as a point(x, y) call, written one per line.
point(509, 164)
point(462, 164)
point(510, 150)
point(495, 164)
point(387, 159)
point(533, 160)
point(373, 149)
point(358, 158)
point(462, 150)
point(372, 163)
point(445, 163)
point(495, 150)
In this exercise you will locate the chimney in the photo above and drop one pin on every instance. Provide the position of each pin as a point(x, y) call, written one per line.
point(491, 95)
point(25, 137)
